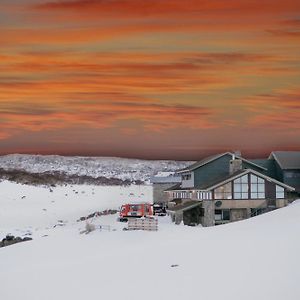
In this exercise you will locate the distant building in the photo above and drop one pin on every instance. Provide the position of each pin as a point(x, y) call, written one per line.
point(227, 187)
point(162, 181)
point(287, 166)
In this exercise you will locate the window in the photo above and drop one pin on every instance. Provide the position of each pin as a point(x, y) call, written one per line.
point(187, 177)
point(222, 215)
point(223, 192)
point(279, 192)
point(257, 187)
point(241, 187)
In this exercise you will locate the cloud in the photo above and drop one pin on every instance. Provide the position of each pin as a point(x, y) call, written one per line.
point(100, 114)
point(284, 33)
point(280, 110)
point(157, 7)
point(156, 66)
point(134, 16)
point(291, 22)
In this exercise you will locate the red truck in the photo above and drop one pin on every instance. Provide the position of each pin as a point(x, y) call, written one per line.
point(137, 210)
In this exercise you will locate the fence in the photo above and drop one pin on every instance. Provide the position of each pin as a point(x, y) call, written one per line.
point(103, 227)
point(143, 224)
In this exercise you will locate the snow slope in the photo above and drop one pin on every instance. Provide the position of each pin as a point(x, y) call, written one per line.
point(109, 167)
point(25, 208)
point(253, 259)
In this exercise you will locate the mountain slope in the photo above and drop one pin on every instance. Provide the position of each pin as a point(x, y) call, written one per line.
point(107, 167)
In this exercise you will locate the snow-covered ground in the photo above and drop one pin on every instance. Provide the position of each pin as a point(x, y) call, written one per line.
point(109, 167)
point(25, 208)
point(253, 259)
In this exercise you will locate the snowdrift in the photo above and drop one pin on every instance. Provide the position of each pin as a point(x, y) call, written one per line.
point(253, 259)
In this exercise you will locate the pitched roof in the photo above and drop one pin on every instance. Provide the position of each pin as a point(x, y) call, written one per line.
point(269, 164)
point(175, 187)
point(184, 206)
point(214, 157)
point(286, 159)
point(172, 178)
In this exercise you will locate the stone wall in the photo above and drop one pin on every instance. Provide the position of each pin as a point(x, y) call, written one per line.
point(209, 213)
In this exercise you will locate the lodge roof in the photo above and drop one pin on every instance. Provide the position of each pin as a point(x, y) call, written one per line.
point(287, 160)
point(214, 157)
point(186, 205)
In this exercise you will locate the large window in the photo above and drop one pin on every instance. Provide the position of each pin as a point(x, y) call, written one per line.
point(224, 191)
point(257, 187)
point(241, 187)
point(279, 192)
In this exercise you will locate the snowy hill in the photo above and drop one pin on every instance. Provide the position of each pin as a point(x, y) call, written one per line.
point(108, 167)
point(253, 259)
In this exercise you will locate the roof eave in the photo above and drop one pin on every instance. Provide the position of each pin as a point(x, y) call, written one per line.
point(217, 157)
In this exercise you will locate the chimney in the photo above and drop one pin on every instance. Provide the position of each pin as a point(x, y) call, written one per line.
point(236, 164)
point(237, 153)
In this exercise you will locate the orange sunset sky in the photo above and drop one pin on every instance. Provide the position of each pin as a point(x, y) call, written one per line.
point(149, 78)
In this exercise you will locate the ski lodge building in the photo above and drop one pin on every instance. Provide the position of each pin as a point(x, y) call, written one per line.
point(227, 187)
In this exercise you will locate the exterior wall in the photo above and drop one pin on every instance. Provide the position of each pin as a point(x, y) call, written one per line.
point(270, 190)
point(239, 214)
point(208, 218)
point(241, 204)
point(178, 217)
point(188, 183)
point(281, 203)
point(192, 216)
point(291, 177)
point(216, 169)
point(279, 172)
point(158, 192)
point(212, 170)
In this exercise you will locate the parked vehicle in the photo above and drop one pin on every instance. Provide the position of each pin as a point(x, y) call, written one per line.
point(137, 210)
point(159, 209)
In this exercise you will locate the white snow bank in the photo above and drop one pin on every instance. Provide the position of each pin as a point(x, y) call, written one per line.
point(30, 208)
point(253, 259)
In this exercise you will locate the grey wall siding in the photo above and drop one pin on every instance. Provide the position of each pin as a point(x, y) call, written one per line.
point(188, 183)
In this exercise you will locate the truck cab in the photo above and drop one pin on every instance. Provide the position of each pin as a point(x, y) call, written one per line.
point(137, 210)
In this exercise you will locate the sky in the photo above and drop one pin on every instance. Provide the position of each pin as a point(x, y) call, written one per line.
point(149, 78)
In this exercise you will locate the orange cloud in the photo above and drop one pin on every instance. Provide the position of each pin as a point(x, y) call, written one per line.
point(106, 66)
point(97, 114)
point(280, 110)
point(169, 7)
